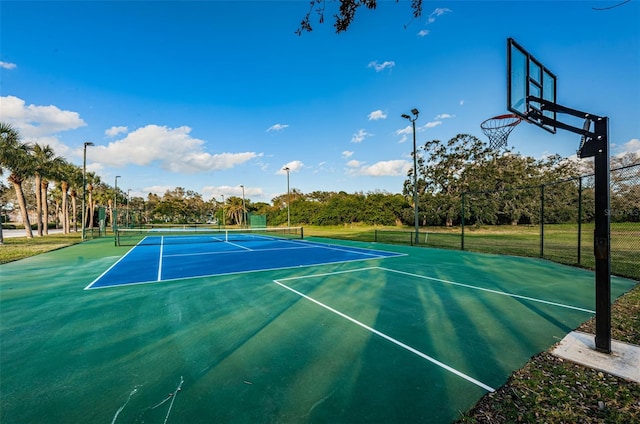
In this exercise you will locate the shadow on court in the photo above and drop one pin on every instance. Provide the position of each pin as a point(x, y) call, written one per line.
point(415, 336)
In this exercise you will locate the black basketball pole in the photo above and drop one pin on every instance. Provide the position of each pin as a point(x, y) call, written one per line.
point(594, 144)
point(602, 248)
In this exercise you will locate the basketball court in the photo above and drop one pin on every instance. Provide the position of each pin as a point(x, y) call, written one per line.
point(384, 334)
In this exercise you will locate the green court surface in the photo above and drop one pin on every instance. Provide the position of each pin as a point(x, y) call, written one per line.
point(405, 339)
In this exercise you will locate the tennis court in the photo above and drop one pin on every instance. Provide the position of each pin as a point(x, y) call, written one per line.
point(165, 255)
point(367, 333)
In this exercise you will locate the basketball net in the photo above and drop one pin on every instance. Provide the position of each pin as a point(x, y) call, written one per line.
point(498, 128)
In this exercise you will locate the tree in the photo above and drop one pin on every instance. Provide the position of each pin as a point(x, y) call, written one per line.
point(444, 173)
point(64, 174)
point(93, 181)
point(3, 190)
point(74, 178)
point(235, 209)
point(102, 195)
point(346, 13)
point(45, 160)
point(15, 157)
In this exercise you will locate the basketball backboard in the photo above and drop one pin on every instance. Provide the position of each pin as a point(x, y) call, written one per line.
point(526, 77)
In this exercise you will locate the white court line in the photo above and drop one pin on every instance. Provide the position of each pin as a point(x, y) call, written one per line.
point(532, 299)
point(304, 277)
point(240, 246)
point(347, 249)
point(391, 339)
point(110, 268)
point(160, 262)
point(224, 252)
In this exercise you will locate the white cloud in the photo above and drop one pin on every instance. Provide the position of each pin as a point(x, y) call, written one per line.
point(114, 131)
point(347, 154)
point(360, 136)
point(216, 192)
point(7, 65)
point(408, 130)
point(157, 189)
point(405, 131)
point(293, 166)
point(436, 13)
point(173, 148)
point(277, 127)
point(377, 114)
point(353, 163)
point(423, 33)
point(35, 121)
point(381, 66)
point(383, 169)
point(631, 146)
point(444, 116)
point(430, 125)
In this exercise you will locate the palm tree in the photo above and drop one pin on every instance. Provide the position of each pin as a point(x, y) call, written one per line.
point(44, 161)
point(93, 180)
point(102, 195)
point(56, 198)
point(235, 209)
point(65, 176)
point(15, 157)
point(3, 190)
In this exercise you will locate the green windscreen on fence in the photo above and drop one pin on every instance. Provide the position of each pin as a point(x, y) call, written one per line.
point(257, 221)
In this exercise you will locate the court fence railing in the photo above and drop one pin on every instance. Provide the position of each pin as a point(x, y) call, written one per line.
point(554, 221)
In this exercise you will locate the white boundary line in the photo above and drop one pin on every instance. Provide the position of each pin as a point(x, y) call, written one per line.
point(532, 299)
point(108, 269)
point(160, 261)
point(341, 248)
point(389, 338)
point(240, 246)
point(225, 252)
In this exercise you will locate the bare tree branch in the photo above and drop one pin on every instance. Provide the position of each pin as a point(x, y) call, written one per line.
point(346, 13)
point(611, 7)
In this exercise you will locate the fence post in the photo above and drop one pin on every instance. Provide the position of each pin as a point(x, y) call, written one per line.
point(579, 217)
point(462, 225)
point(542, 220)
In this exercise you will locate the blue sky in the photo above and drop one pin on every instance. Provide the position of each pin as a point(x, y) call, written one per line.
point(211, 95)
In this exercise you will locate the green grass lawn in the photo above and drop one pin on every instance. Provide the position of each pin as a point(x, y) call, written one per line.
point(560, 241)
point(15, 248)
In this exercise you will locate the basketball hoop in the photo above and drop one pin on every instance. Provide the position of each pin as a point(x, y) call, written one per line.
point(498, 128)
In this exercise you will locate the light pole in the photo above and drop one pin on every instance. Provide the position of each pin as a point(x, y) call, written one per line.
point(286, 168)
point(115, 207)
point(84, 189)
point(244, 211)
point(128, 194)
point(415, 113)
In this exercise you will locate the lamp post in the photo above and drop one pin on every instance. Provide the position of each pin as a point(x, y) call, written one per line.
point(115, 207)
point(84, 188)
point(415, 113)
point(244, 211)
point(128, 194)
point(286, 168)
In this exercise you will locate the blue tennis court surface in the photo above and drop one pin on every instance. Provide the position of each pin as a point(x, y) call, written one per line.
point(159, 259)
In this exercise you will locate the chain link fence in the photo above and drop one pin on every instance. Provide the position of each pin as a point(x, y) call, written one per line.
point(555, 221)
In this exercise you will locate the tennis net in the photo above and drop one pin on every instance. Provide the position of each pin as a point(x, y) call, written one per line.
point(188, 235)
